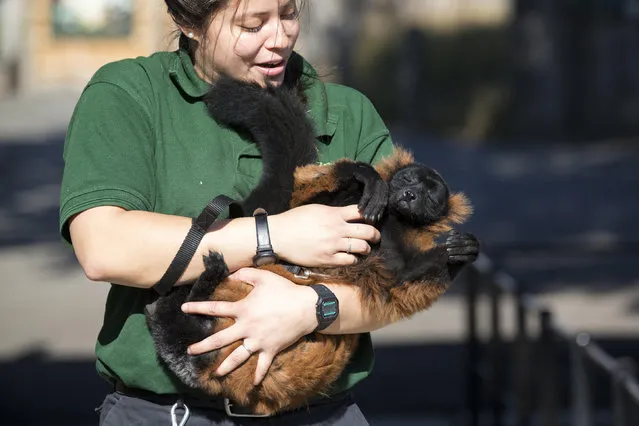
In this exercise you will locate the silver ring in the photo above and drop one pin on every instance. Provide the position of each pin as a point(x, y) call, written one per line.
point(349, 246)
point(247, 348)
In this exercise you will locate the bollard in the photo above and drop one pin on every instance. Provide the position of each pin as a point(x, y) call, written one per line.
point(496, 357)
point(547, 372)
point(472, 346)
point(522, 364)
point(580, 383)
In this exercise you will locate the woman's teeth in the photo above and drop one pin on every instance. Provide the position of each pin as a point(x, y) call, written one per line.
point(271, 65)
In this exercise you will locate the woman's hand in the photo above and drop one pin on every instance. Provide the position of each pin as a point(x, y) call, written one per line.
point(272, 317)
point(318, 235)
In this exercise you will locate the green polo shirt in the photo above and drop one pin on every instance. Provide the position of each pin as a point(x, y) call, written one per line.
point(140, 138)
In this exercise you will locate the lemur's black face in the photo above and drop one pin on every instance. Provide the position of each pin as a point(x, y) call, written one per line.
point(418, 195)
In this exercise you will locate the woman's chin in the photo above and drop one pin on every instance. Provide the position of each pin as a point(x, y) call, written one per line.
point(264, 79)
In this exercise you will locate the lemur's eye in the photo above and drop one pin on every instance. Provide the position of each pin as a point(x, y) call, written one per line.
point(406, 178)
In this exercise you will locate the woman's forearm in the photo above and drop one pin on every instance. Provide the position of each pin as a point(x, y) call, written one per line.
point(134, 248)
point(352, 317)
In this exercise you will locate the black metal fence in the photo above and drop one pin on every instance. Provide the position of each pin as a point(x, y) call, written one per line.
point(544, 375)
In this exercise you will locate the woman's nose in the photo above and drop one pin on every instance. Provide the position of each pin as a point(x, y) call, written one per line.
point(278, 39)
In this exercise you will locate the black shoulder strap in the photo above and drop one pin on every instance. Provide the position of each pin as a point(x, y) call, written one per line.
point(193, 238)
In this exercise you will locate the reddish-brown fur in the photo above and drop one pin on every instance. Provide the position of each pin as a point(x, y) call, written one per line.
point(307, 368)
point(300, 372)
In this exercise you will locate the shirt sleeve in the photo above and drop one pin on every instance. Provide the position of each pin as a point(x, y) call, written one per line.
point(108, 154)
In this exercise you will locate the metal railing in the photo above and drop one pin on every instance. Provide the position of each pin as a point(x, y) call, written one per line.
point(524, 381)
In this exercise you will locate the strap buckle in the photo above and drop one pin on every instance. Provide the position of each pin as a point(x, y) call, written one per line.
point(228, 408)
point(302, 274)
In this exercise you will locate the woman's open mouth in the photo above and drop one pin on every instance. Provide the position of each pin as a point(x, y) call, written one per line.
point(272, 68)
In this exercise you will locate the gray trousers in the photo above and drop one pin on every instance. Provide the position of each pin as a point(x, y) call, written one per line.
point(122, 410)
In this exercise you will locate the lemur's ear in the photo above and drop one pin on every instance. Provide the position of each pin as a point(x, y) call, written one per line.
point(398, 159)
point(459, 210)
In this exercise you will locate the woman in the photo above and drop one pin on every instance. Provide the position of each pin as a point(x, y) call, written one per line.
point(142, 158)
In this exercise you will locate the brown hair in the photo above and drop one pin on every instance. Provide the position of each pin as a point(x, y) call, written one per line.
point(196, 15)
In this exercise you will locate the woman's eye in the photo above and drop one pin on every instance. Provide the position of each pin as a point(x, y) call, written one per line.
point(252, 25)
point(290, 16)
point(291, 12)
point(252, 29)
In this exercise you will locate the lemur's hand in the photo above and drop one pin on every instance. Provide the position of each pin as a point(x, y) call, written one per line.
point(462, 248)
point(375, 190)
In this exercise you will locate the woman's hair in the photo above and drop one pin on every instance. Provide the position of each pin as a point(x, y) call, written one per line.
point(196, 15)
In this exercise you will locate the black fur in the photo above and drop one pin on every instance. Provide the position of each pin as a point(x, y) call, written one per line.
point(413, 197)
point(275, 119)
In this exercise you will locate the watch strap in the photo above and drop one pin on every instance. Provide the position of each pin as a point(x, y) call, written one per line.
point(199, 226)
point(264, 246)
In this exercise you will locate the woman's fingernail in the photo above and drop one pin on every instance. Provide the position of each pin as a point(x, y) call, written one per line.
point(184, 307)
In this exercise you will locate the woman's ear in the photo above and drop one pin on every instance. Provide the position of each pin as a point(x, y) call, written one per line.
point(189, 33)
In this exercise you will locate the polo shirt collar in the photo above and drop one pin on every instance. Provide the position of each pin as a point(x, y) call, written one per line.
point(185, 77)
point(325, 123)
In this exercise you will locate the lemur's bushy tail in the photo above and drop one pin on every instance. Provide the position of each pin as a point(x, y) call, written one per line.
point(276, 120)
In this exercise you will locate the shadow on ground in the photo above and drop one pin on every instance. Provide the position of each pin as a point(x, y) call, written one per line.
point(409, 383)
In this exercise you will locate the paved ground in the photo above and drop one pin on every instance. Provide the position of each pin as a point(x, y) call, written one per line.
point(561, 219)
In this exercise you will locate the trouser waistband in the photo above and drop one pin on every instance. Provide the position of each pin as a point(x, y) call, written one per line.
point(212, 402)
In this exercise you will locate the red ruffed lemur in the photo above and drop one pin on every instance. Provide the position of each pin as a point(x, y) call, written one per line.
point(405, 273)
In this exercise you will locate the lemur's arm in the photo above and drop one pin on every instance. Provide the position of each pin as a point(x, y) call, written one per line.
point(425, 276)
point(441, 264)
point(342, 183)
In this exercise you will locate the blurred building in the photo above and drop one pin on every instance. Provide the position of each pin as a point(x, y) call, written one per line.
point(58, 44)
point(48, 45)
point(450, 15)
point(475, 69)
point(575, 69)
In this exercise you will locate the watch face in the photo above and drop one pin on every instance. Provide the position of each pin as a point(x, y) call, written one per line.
point(329, 309)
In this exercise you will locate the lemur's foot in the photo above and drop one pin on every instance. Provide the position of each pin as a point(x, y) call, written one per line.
point(215, 271)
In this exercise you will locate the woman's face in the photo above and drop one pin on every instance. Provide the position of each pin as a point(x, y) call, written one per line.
point(250, 40)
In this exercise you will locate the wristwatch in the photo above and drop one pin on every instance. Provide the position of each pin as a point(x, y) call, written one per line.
point(327, 307)
point(264, 254)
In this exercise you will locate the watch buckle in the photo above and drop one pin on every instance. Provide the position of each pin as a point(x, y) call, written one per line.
point(229, 412)
point(303, 274)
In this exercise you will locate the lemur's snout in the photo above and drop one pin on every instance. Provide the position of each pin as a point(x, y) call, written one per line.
point(409, 195)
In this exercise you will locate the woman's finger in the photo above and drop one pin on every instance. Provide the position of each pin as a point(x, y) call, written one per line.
point(254, 276)
point(345, 259)
point(234, 360)
point(251, 276)
point(363, 231)
point(216, 341)
point(213, 308)
point(264, 362)
point(353, 245)
point(351, 212)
